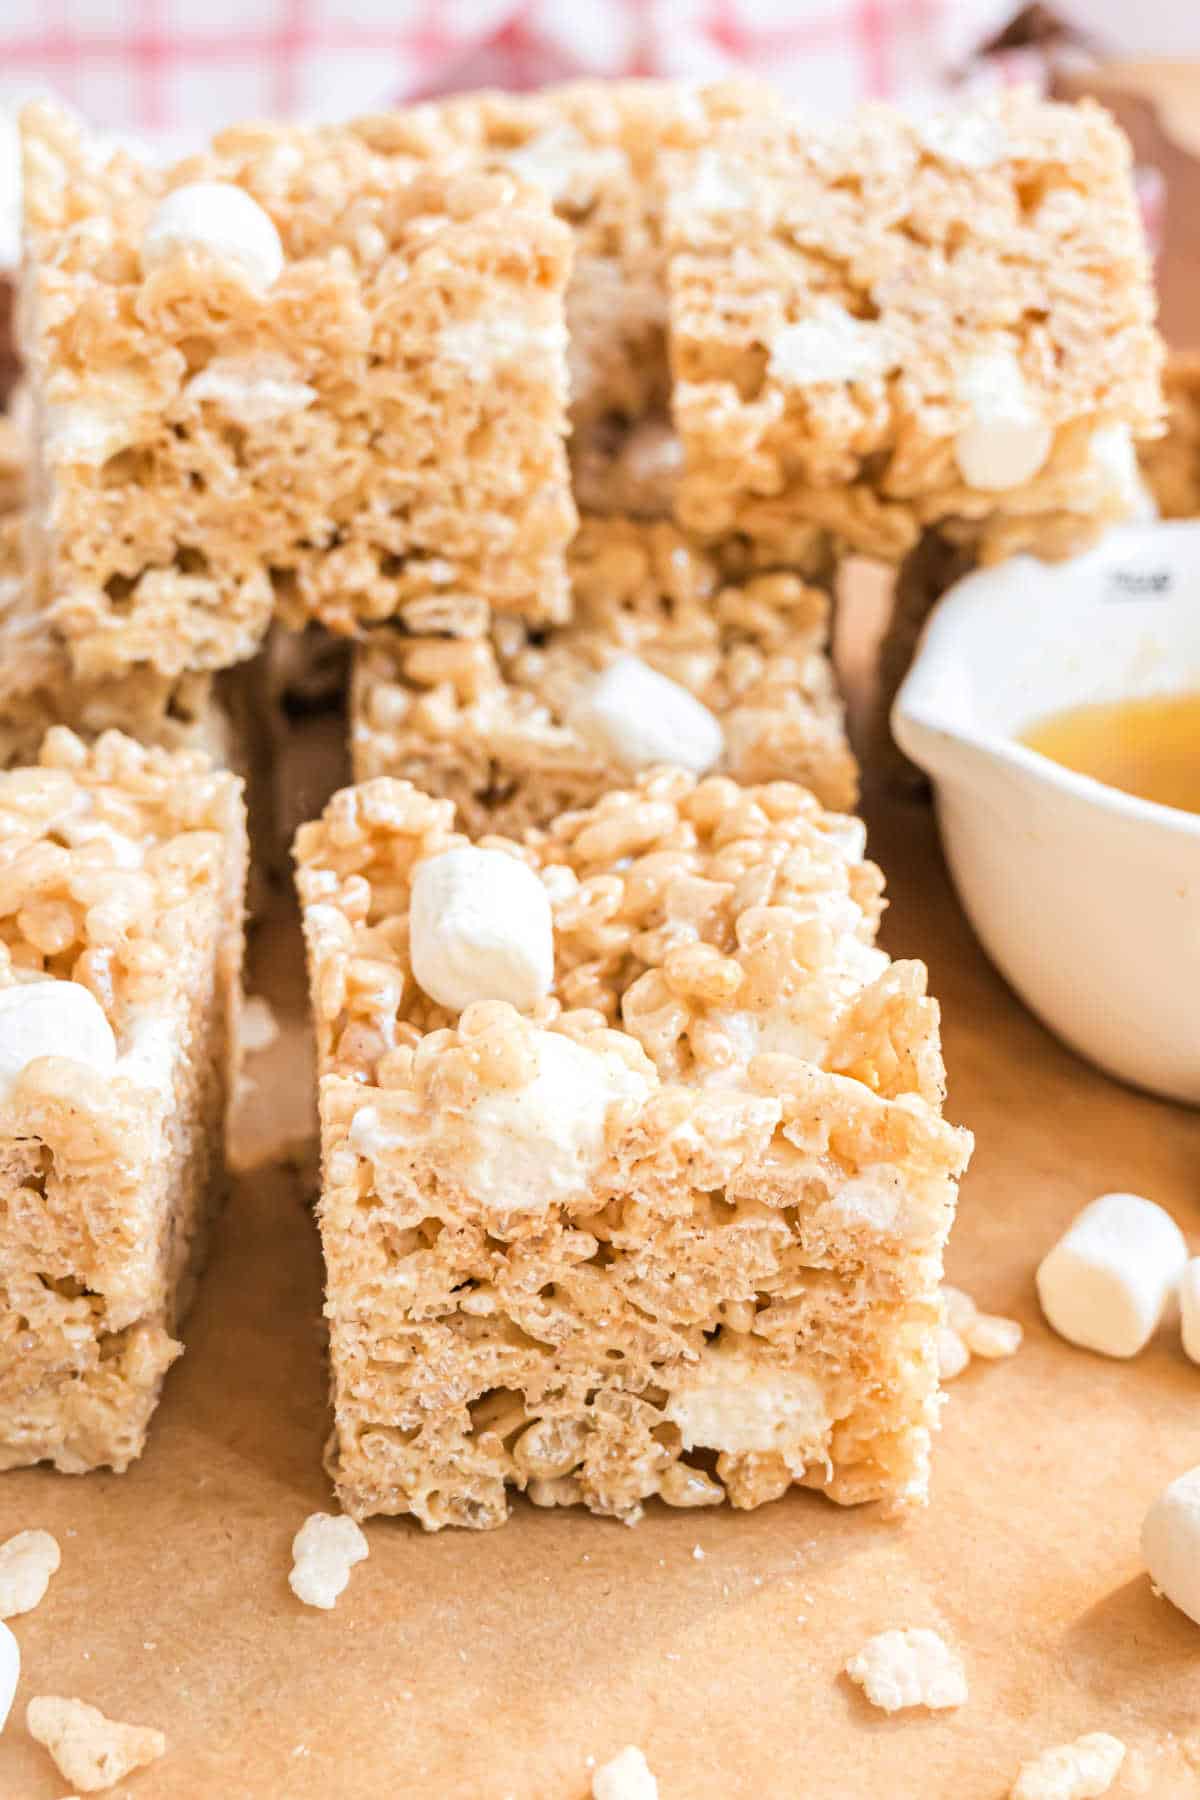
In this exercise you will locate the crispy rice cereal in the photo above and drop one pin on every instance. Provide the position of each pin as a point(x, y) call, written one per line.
point(90, 1751)
point(382, 422)
point(486, 720)
point(27, 1562)
point(626, 1776)
point(693, 1203)
point(967, 1332)
point(324, 1551)
point(880, 323)
point(899, 1669)
point(121, 891)
point(1082, 1770)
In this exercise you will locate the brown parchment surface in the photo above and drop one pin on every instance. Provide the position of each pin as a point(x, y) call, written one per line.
point(497, 1664)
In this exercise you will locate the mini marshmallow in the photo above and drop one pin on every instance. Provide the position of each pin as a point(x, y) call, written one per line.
point(1189, 1308)
point(1006, 439)
point(480, 928)
point(1105, 1285)
point(1171, 1543)
point(221, 219)
point(52, 1018)
point(626, 1777)
point(638, 717)
point(831, 345)
point(10, 1672)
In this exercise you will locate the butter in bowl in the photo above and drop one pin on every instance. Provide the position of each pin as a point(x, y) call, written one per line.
point(1056, 709)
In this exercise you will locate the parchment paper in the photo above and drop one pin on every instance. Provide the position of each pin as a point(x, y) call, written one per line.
point(497, 1664)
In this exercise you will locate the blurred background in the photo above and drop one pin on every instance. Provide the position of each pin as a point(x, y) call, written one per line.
point(166, 72)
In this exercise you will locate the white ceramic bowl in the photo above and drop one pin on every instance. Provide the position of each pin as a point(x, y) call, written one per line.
point(1088, 899)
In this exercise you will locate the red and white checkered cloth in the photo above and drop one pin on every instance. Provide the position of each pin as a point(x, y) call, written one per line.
point(178, 68)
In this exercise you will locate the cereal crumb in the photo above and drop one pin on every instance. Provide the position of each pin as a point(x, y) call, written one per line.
point(1077, 1771)
point(259, 1026)
point(897, 1669)
point(626, 1777)
point(966, 1332)
point(324, 1551)
point(698, 1553)
point(27, 1562)
point(90, 1751)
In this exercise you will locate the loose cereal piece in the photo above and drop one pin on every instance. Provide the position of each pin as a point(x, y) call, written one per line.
point(626, 1777)
point(324, 1551)
point(90, 1751)
point(1171, 1543)
point(873, 333)
point(967, 1332)
point(692, 1201)
point(381, 422)
point(121, 894)
point(1078, 1771)
point(27, 1561)
point(259, 1025)
point(501, 723)
point(10, 1672)
point(1107, 1282)
point(898, 1669)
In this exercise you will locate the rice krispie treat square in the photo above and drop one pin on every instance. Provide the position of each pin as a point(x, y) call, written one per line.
point(596, 149)
point(636, 1179)
point(291, 374)
point(665, 661)
point(39, 688)
point(883, 323)
point(121, 879)
point(1171, 463)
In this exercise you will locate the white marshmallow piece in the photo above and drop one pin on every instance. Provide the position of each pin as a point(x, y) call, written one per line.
point(10, 1672)
point(626, 1777)
point(831, 346)
point(1105, 1285)
point(220, 219)
point(480, 928)
point(52, 1018)
point(1171, 1543)
point(1006, 440)
point(1189, 1308)
point(637, 717)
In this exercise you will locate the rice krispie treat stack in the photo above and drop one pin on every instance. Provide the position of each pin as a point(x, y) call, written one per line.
point(635, 1175)
point(597, 150)
point(121, 877)
point(880, 325)
point(666, 661)
point(1171, 463)
point(291, 374)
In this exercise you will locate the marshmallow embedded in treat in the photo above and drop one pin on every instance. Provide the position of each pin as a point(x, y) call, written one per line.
point(221, 219)
point(52, 1018)
point(480, 928)
point(1005, 440)
point(1107, 1282)
point(636, 716)
point(1171, 1543)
